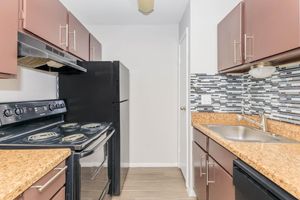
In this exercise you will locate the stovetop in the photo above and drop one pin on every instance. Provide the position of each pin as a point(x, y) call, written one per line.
point(40, 124)
point(72, 135)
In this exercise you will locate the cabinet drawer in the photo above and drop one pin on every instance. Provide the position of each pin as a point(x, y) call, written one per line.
point(200, 139)
point(61, 195)
point(48, 186)
point(222, 156)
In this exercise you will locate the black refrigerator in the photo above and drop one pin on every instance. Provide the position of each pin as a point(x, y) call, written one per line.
point(102, 95)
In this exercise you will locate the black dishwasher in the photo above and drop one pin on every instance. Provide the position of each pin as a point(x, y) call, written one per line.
point(251, 185)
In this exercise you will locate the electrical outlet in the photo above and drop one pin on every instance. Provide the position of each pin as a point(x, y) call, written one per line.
point(206, 99)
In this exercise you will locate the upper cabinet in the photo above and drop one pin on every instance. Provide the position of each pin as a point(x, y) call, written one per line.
point(271, 27)
point(46, 19)
point(8, 39)
point(95, 49)
point(79, 38)
point(230, 33)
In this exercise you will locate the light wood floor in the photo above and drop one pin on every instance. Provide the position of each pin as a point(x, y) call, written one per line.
point(154, 184)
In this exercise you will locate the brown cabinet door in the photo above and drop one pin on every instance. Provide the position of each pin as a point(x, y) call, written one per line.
point(199, 165)
point(95, 49)
point(48, 20)
point(230, 46)
point(79, 38)
point(61, 195)
point(222, 155)
point(8, 37)
point(271, 27)
point(220, 183)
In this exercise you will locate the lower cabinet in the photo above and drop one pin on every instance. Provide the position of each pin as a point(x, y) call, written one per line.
point(200, 169)
point(212, 173)
point(220, 183)
point(49, 187)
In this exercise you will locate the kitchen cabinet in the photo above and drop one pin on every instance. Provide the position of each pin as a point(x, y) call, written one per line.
point(213, 169)
point(46, 19)
point(220, 183)
point(79, 38)
point(199, 165)
point(95, 49)
point(8, 39)
point(224, 157)
point(51, 186)
point(271, 27)
point(230, 33)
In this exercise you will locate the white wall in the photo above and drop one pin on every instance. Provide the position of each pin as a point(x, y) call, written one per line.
point(150, 52)
point(201, 18)
point(205, 15)
point(185, 21)
point(29, 85)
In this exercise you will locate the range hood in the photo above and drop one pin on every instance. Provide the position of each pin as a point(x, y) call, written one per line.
point(35, 53)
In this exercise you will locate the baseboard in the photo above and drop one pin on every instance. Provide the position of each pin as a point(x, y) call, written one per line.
point(136, 165)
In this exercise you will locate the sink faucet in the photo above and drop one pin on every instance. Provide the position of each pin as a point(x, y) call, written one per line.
point(262, 124)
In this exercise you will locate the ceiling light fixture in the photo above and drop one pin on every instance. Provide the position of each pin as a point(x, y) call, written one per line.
point(262, 70)
point(146, 6)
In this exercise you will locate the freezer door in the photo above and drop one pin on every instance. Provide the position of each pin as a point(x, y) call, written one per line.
point(124, 82)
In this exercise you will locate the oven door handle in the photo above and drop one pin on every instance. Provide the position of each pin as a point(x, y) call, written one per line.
point(87, 153)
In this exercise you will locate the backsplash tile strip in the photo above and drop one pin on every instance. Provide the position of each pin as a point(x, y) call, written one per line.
point(278, 96)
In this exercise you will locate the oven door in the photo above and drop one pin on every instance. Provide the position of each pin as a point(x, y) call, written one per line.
point(93, 163)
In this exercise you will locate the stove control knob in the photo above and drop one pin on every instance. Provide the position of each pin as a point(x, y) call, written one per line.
point(52, 107)
point(62, 105)
point(57, 106)
point(18, 111)
point(8, 113)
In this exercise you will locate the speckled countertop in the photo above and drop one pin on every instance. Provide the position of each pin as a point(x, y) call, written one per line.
point(19, 169)
point(278, 162)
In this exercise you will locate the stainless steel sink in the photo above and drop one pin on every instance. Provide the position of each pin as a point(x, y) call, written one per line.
point(246, 134)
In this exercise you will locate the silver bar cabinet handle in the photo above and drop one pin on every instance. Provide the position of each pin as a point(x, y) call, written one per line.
point(66, 27)
point(246, 38)
point(201, 165)
point(234, 52)
point(245, 48)
point(207, 173)
point(75, 41)
point(41, 188)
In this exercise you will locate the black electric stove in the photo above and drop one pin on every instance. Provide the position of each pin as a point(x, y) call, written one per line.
point(75, 136)
point(40, 124)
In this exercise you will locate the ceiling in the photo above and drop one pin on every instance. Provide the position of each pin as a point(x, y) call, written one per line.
point(125, 12)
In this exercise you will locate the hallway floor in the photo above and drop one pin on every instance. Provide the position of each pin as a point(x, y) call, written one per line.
point(154, 184)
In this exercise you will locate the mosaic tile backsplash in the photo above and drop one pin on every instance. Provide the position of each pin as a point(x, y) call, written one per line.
point(278, 96)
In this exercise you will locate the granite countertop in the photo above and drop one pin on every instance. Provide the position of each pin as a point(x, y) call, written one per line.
point(278, 162)
point(19, 169)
